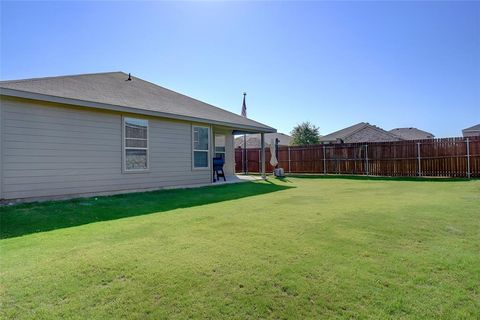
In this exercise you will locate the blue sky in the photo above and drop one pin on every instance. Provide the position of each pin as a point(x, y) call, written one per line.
point(393, 64)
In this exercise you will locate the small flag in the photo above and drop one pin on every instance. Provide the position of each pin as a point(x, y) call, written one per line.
point(244, 106)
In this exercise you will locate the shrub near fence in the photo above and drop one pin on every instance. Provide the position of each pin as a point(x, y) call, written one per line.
point(446, 157)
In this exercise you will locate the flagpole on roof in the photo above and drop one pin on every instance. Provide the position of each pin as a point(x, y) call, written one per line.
point(244, 114)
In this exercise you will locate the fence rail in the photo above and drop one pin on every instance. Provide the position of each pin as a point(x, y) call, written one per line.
point(446, 157)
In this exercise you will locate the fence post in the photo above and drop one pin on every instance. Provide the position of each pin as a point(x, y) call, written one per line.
point(366, 160)
point(419, 160)
point(468, 159)
point(324, 160)
point(289, 161)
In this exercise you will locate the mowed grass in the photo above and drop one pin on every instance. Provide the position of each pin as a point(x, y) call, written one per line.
point(293, 249)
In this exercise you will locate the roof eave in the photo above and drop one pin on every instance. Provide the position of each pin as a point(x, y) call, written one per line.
point(106, 106)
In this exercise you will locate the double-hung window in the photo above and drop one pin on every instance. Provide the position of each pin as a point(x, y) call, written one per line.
point(201, 143)
point(135, 144)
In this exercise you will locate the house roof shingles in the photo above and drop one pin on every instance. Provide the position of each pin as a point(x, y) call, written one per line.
point(344, 134)
point(473, 128)
point(113, 89)
point(471, 131)
point(412, 133)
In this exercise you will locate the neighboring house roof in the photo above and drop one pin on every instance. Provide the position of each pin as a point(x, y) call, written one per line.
point(473, 128)
point(412, 133)
point(472, 131)
point(112, 91)
point(360, 132)
point(253, 140)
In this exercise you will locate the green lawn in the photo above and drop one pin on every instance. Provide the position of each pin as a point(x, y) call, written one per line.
point(299, 248)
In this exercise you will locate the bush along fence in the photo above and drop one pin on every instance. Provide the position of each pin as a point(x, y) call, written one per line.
point(446, 157)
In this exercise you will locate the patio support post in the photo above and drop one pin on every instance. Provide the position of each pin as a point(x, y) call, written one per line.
point(262, 145)
point(246, 161)
point(259, 161)
point(468, 159)
point(244, 154)
point(419, 160)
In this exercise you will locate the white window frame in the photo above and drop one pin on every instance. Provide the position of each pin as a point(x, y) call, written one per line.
point(198, 150)
point(124, 147)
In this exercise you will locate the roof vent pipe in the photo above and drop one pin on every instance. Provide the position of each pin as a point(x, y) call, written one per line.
point(129, 77)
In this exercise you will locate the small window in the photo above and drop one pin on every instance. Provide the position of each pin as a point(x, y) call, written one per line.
point(136, 144)
point(220, 146)
point(201, 141)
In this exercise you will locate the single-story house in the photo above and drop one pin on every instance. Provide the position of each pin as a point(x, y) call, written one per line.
point(473, 131)
point(108, 133)
point(360, 132)
point(254, 140)
point(412, 133)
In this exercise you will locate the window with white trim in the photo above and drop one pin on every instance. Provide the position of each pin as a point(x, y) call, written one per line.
point(135, 144)
point(201, 143)
point(220, 146)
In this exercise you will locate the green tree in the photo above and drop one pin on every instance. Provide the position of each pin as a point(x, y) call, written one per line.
point(305, 133)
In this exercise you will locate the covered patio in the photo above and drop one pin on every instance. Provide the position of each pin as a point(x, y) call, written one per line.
point(223, 146)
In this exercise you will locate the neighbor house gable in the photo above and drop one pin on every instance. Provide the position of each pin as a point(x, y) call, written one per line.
point(471, 131)
point(360, 132)
point(412, 133)
point(370, 134)
point(254, 140)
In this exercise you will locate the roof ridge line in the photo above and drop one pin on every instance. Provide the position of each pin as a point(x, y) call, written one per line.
point(63, 76)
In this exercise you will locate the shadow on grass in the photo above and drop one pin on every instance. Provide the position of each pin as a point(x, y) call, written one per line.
point(378, 178)
point(283, 179)
point(30, 218)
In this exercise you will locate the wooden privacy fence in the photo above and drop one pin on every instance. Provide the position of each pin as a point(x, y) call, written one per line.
point(446, 157)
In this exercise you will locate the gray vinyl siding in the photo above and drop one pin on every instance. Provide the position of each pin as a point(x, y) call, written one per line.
point(55, 150)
